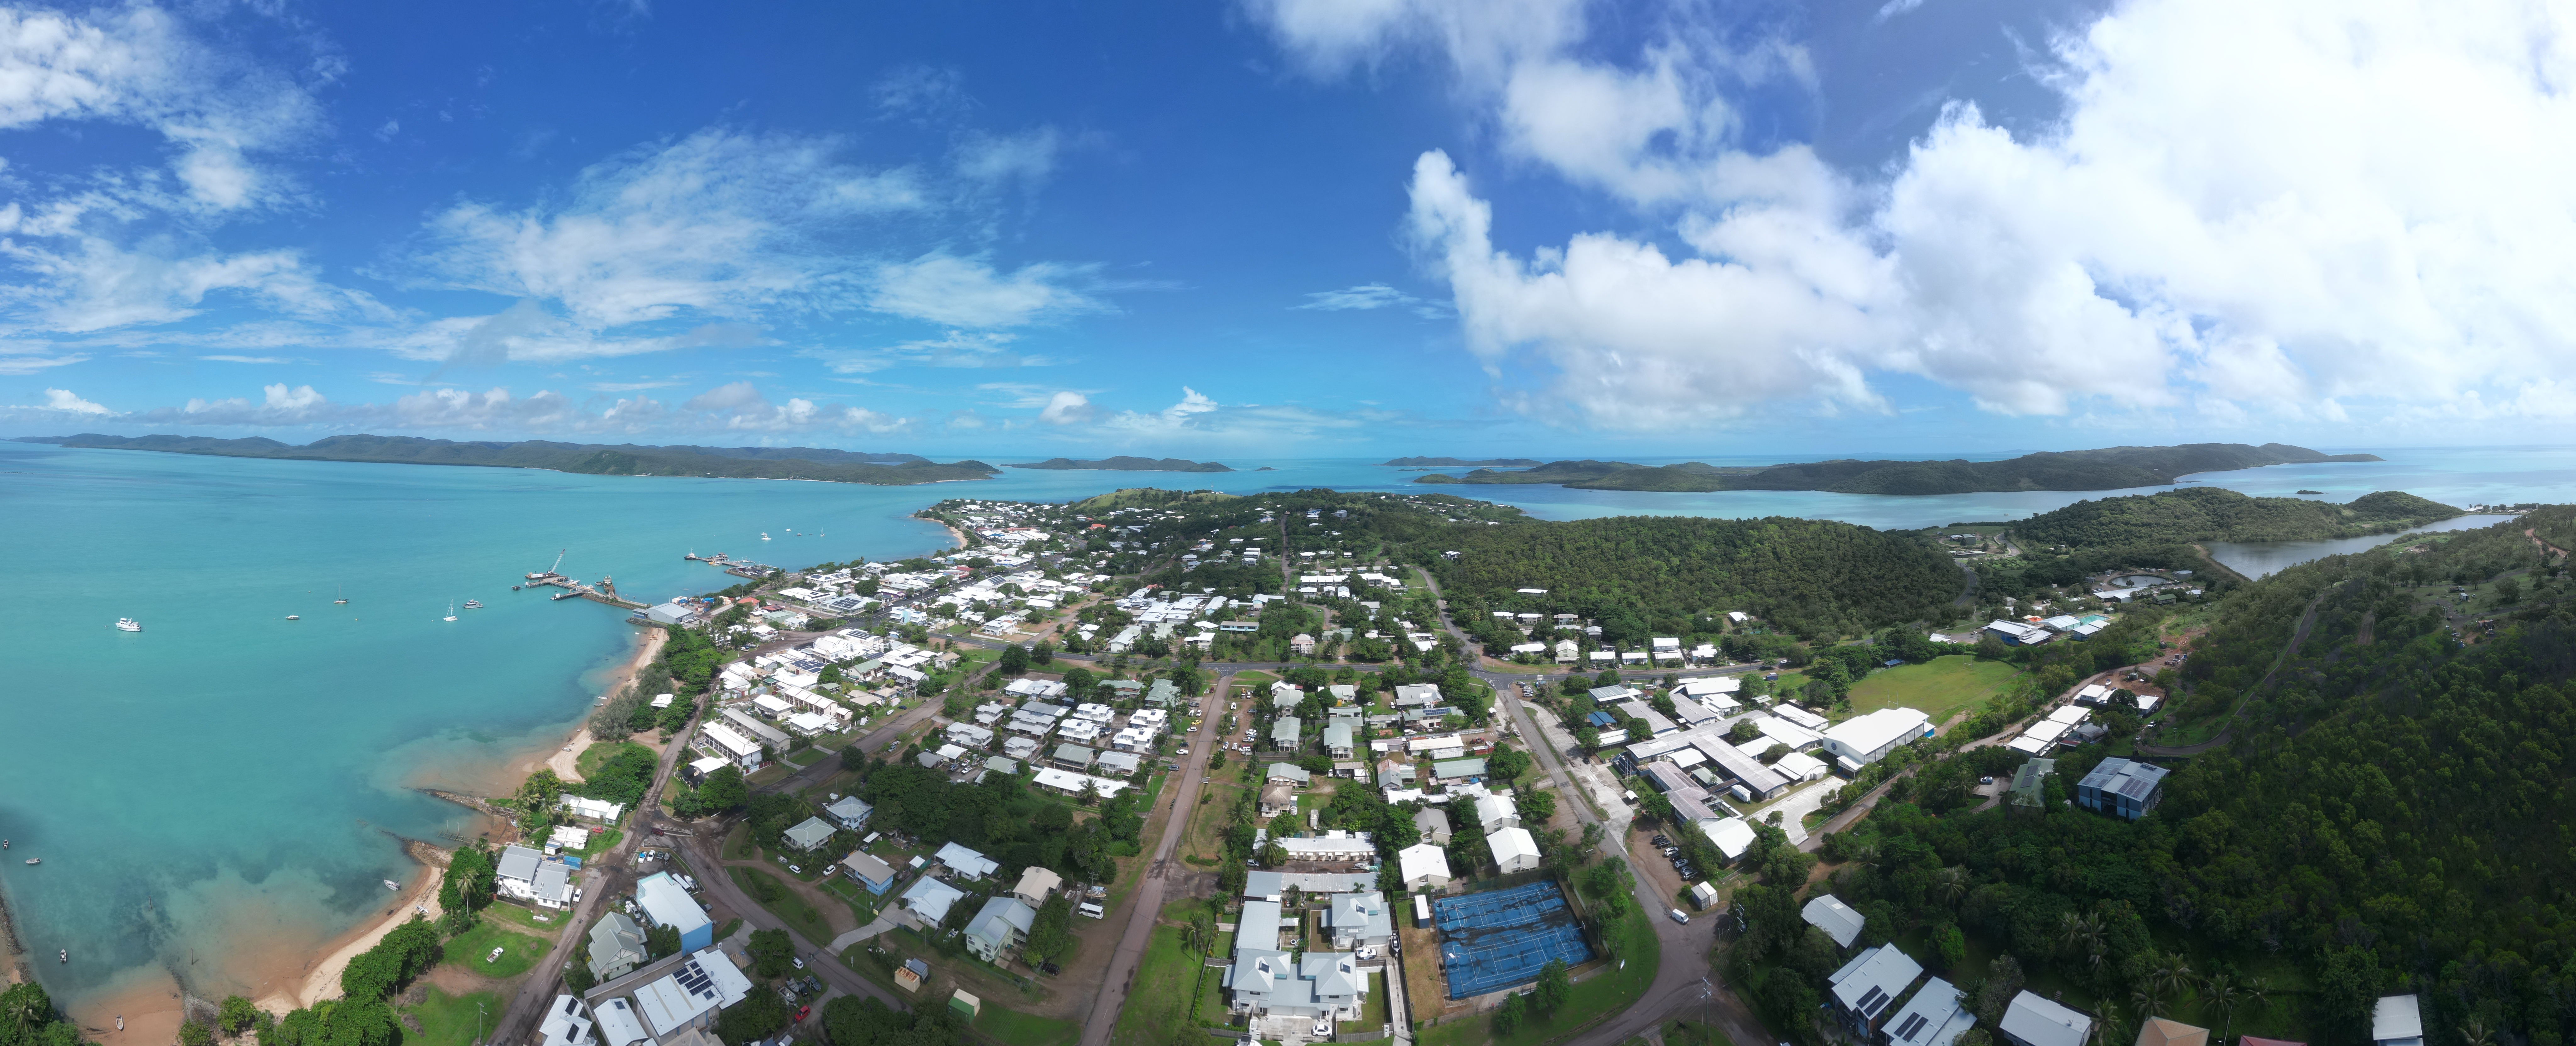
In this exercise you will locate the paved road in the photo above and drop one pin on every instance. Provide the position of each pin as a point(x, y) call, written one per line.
point(703, 857)
point(1146, 904)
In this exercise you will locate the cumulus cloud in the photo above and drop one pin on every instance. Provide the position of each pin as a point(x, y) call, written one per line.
point(2279, 211)
point(63, 400)
point(970, 292)
point(1067, 408)
point(91, 284)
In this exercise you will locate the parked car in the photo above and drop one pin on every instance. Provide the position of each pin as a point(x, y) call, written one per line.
point(494, 957)
point(1049, 969)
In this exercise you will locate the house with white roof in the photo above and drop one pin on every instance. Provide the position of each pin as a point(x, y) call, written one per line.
point(567, 1022)
point(665, 903)
point(1936, 1016)
point(704, 983)
point(1514, 849)
point(2397, 1020)
point(1495, 812)
point(1828, 913)
point(1002, 925)
point(1422, 865)
point(1862, 740)
point(1865, 989)
point(2034, 1020)
point(1731, 835)
point(808, 834)
point(965, 863)
point(730, 744)
point(850, 812)
point(930, 899)
point(1359, 920)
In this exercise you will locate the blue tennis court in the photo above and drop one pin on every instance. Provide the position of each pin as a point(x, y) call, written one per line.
point(1499, 939)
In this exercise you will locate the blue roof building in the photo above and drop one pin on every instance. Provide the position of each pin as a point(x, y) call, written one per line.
point(2123, 788)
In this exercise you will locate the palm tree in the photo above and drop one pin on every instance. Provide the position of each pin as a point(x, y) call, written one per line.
point(1951, 884)
point(2475, 1033)
point(2079, 933)
point(2222, 995)
point(2170, 975)
point(2147, 1002)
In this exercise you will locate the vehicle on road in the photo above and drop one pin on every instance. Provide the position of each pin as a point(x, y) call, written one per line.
point(1680, 916)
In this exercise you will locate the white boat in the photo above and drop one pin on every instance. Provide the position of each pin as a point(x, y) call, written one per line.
point(394, 886)
point(473, 604)
point(451, 611)
point(764, 535)
point(127, 624)
point(295, 617)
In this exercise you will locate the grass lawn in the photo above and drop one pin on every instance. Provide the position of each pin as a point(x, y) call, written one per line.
point(1593, 998)
point(737, 843)
point(588, 762)
point(603, 841)
point(1158, 1007)
point(451, 1020)
point(518, 951)
point(1939, 687)
point(725, 931)
point(1249, 680)
point(804, 756)
point(1020, 1029)
point(544, 924)
point(771, 774)
point(790, 907)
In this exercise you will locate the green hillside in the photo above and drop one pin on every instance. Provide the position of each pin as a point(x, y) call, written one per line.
point(2108, 468)
point(2218, 514)
point(812, 463)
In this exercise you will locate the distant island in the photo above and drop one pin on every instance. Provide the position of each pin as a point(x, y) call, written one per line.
point(814, 463)
point(2219, 514)
point(1463, 463)
point(2111, 468)
point(1124, 463)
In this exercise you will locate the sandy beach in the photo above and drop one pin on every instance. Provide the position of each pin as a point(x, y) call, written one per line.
point(323, 982)
point(560, 756)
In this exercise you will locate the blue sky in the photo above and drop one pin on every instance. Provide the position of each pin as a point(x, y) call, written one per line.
point(1293, 227)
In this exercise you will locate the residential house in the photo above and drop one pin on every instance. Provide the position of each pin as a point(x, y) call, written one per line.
point(1269, 982)
point(1292, 774)
point(1119, 764)
point(1002, 925)
point(1074, 757)
point(1434, 824)
point(808, 834)
point(1301, 644)
point(703, 983)
point(1035, 884)
point(732, 745)
point(930, 899)
point(1274, 886)
point(1338, 738)
point(1494, 811)
point(2159, 1031)
point(527, 875)
point(567, 1022)
point(1828, 913)
point(2034, 1020)
point(964, 862)
point(1865, 989)
point(1416, 695)
point(1359, 920)
point(1936, 1016)
point(1285, 734)
point(1455, 772)
point(2397, 1020)
point(1514, 849)
point(849, 812)
point(616, 947)
point(1422, 865)
point(869, 871)
point(665, 903)
point(1339, 846)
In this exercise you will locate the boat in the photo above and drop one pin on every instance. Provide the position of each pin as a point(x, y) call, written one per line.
point(295, 617)
point(514, 588)
point(451, 611)
point(394, 886)
point(561, 596)
point(127, 624)
point(342, 594)
point(473, 604)
point(764, 535)
point(35, 860)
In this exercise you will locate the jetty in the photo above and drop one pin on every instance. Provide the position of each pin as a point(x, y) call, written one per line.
point(604, 592)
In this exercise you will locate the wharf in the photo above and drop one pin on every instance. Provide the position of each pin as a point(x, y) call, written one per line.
point(595, 595)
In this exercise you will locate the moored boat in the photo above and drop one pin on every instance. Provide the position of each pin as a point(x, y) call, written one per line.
point(127, 624)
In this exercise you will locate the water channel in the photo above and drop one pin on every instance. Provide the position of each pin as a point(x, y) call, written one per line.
point(2256, 559)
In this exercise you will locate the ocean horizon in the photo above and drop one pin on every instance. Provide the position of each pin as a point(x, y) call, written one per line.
point(218, 795)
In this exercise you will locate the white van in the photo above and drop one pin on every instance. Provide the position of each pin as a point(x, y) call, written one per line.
point(1681, 916)
point(1092, 910)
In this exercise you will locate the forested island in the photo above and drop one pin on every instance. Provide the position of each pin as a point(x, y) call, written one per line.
point(2219, 514)
point(2110, 468)
point(1461, 462)
point(810, 463)
point(1124, 463)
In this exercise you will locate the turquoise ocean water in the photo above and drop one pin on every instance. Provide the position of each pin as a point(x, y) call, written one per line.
point(225, 787)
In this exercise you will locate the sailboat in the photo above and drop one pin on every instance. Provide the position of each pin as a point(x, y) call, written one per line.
point(764, 535)
point(295, 617)
point(342, 593)
point(451, 611)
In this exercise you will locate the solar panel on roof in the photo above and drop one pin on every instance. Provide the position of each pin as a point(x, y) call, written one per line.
point(1870, 1001)
point(1913, 1023)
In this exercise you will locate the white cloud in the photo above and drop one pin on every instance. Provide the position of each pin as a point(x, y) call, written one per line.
point(1027, 157)
point(987, 349)
point(63, 400)
point(93, 284)
point(1067, 408)
point(719, 223)
point(1368, 296)
point(969, 292)
point(246, 359)
point(14, 361)
point(2283, 212)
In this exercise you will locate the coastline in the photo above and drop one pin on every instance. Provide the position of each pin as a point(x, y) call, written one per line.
point(322, 980)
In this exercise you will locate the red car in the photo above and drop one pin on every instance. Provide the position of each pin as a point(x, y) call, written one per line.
point(801, 1011)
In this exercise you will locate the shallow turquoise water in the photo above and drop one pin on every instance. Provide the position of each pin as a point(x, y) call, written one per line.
point(220, 787)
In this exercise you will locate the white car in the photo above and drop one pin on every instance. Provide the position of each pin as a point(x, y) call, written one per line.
point(494, 957)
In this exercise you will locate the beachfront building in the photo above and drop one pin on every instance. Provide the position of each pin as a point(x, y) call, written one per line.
point(616, 947)
point(665, 903)
point(529, 876)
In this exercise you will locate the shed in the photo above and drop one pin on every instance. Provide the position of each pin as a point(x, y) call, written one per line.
point(1828, 913)
point(2397, 1020)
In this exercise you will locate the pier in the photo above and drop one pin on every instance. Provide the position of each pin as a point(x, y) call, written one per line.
point(605, 593)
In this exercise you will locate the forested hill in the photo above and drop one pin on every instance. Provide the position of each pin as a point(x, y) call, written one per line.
point(2110, 468)
point(2218, 514)
point(1463, 463)
point(1653, 574)
point(1123, 463)
point(2384, 812)
point(814, 463)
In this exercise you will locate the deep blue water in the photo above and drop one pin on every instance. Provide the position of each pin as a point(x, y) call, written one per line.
point(224, 787)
